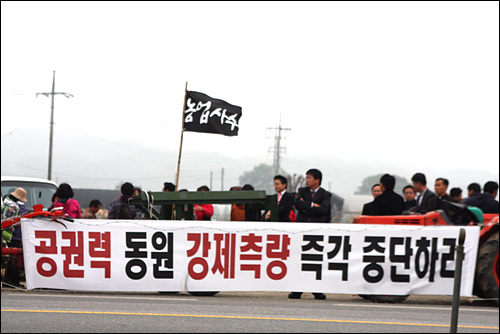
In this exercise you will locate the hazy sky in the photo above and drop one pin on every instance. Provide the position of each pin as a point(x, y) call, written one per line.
point(413, 85)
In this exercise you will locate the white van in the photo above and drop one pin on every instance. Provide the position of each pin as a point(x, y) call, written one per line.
point(39, 191)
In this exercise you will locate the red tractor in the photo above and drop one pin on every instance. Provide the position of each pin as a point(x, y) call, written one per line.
point(486, 276)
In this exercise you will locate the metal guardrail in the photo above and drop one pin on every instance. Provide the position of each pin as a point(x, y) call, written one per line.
point(181, 203)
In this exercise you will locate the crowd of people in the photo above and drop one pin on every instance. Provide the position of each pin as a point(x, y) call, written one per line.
point(387, 202)
point(310, 204)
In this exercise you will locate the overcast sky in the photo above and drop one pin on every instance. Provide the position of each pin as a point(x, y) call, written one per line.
point(412, 85)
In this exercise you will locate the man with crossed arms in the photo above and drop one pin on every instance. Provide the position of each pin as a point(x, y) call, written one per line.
point(313, 205)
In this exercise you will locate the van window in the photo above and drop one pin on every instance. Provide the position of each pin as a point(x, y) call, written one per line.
point(38, 192)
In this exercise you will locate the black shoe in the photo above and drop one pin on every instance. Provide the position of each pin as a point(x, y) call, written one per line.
point(320, 296)
point(294, 295)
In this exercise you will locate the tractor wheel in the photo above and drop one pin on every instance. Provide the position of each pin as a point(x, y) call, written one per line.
point(487, 269)
point(388, 298)
point(203, 293)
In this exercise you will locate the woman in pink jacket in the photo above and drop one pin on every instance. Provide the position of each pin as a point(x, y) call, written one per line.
point(64, 198)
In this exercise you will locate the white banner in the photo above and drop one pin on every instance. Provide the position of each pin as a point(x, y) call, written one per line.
point(141, 255)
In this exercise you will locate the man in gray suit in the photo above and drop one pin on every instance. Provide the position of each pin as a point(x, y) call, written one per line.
point(420, 185)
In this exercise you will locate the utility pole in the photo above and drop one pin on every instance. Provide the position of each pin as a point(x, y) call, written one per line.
point(222, 179)
point(49, 173)
point(277, 147)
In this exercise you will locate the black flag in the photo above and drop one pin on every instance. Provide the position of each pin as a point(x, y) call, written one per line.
point(205, 114)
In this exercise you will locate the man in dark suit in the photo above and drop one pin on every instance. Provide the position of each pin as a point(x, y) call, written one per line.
point(313, 205)
point(285, 199)
point(420, 185)
point(410, 197)
point(312, 201)
point(442, 199)
point(388, 203)
point(368, 207)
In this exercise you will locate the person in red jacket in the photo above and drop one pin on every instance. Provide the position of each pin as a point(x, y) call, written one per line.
point(203, 211)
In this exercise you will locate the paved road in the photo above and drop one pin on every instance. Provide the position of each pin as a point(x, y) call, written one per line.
point(65, 311)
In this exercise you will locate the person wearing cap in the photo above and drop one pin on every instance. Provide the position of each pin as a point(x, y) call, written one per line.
point(12, 203)
point(14, 206)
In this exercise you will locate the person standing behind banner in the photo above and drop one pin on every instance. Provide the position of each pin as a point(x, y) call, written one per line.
point(420, 185)
point(14, 206)
point(312, 201)
point(64, 198)
point(285, 200)
point(168, 186)
point(313, 205)
point(456, 194)
point(368, 207)
point(473, 189)
point(253, 215)
point(94, 206)
point(237, 210)
point(137, 191)
point(388, 203)
point(485, 201)
point(409, 196)
point(442, 199)
point(119, 208)
point(203, 211)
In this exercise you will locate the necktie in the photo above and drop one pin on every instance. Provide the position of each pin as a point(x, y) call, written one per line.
point(279, 198)
point(313, 193)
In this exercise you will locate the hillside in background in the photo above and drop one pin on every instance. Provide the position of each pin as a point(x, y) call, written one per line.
point(91, 163)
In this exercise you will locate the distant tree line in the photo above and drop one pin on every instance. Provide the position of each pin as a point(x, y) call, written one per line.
point(261, 178)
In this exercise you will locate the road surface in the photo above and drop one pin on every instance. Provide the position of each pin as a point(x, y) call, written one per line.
point(70, 311)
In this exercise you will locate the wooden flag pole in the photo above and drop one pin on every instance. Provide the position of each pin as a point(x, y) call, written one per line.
point(180, 148)
point(182, 137)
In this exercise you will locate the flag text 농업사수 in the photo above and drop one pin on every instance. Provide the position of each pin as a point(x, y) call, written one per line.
point(205, 114)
